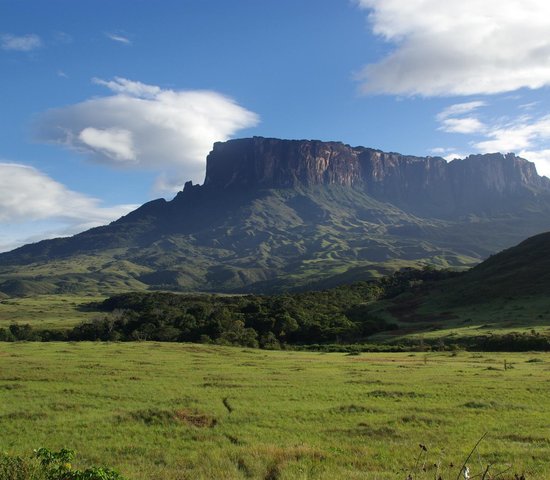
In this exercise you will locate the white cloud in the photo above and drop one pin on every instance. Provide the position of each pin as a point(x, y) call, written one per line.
point(119, 38)
point(144, 126)
point(31, 202)
point(462, 125)
point(541, 158)
point(451, 122)
point(460, 109)
point(114, 143)
point(459, 48)
point(448, 153)
point(129, 87)
point(525, 135)
point(521, 134)
point(28, 194)
point(22, 43)
point(528, 106)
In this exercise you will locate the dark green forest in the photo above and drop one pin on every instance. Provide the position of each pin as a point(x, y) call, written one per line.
point(337, 315)
point(343, 318)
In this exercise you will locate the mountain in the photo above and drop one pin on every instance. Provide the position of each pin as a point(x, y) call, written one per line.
point(280, 214)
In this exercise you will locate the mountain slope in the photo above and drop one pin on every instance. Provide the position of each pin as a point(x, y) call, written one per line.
point(520, 271)
point(508, 292)
point(276, 214)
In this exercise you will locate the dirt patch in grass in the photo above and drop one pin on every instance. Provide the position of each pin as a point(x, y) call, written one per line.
point(200, 420)
point(368, 382)
point(367, 431)
point(480, 405)
point(24, 416)
point(165, 417)
point(223, 385)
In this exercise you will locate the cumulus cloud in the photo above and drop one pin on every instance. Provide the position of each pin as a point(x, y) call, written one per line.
point(145, 126)
point(31, 202)
point(21, 43)
point(28, 194)
point(459, 48)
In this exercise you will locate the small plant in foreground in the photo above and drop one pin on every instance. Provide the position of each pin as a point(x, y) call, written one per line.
point(50, 465)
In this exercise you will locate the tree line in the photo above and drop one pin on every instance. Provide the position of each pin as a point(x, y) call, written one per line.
point(339, 315)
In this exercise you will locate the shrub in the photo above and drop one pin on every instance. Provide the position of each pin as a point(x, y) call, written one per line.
point(50, 465)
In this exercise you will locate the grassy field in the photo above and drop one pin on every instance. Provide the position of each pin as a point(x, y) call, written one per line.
point(47, 311)
point(183, 411)
point(436, 320)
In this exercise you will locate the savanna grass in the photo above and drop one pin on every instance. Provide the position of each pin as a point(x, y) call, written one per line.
point(183, 411)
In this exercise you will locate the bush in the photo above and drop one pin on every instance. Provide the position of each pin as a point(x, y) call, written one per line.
point(50, 465)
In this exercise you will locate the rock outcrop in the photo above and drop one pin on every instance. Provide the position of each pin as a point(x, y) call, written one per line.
point(423, 184)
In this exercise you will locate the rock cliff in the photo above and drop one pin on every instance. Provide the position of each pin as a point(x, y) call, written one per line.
point(424, 184)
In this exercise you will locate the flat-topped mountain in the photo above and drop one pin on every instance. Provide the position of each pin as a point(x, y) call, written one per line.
point(417, 183)
point(275, 214)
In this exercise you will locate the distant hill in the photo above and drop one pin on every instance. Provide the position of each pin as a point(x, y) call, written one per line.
point(290, 214)
point(520, 271)
point(507, 293)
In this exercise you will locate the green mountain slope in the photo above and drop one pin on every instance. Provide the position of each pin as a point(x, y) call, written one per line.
point(508, 292)
point(271, 240)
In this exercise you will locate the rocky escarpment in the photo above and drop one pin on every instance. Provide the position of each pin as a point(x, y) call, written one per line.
point(421, 184)
point(273, 163)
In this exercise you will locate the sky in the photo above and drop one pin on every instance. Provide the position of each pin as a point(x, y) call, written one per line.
point(107, 104)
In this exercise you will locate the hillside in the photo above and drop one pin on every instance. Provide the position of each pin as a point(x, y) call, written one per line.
point(502, 304)
point(279, 214)
point(506, 293)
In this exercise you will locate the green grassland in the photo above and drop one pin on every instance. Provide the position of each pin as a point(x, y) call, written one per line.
point(184, 411)
point(54, 312)
point(429, 318)
point(506, 293)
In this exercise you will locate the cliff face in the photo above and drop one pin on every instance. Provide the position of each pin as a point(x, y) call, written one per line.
point(273, 163)
point(418, 182)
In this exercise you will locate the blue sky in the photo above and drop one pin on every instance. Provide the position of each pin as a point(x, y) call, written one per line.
point(106, 104)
